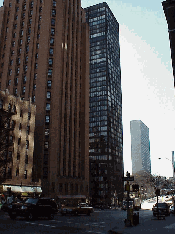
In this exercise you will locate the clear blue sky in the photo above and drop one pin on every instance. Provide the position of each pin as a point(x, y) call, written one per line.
point(147, 81)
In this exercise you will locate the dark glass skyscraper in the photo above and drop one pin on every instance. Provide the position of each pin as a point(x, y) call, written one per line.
point(105, 97)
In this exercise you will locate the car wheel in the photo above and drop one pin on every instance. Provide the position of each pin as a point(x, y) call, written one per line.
point(31, 216)
point(12, 216)
point(51, 216)
point(88, 213)
point(76, 213)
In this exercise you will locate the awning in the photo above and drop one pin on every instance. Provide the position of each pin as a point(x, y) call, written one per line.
point(22, 189)
point(71, 196)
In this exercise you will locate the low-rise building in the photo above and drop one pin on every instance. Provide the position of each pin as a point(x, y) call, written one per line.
point(18, 120)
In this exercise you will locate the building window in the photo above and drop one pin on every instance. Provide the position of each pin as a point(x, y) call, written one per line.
point(51, 51)
point(19, 141)
point(47, 106)
point(33, 98)
point(51, 41)
point(11, 62)
point(24, 90)
point(47, 119)
point(13, 44)
point(18, 156)
point(50, 71)
point(53, 12)
point(46, 132)
point(35, 76)
point(29, 115)
point(54, 3)
point(30, 21)
point(26, 159)
point(28, 39)
point(17, 171)
point(48, 95)
point(10, 72)
point(27, 49)
point(18, 61)
point(52, 31)
point(16, 81)
point(53, 22)
point(26, 59)
point(25, 68)
point(37, 45)
point(15, 91)
point(10, 154)
point(49, 84)
point(34, 87)
point(24, 80)
point(45, 173)
point(50, 61)
point(46, 146)
point(27, 144)
point(18, 71)
point(25, 174)
point(36, 65)
point(45, 159)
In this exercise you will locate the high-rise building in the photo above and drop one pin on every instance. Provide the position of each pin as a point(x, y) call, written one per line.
point(169, 11)
point(105, 97)
point(44, 54)
point(173, 163)
point(140, 147)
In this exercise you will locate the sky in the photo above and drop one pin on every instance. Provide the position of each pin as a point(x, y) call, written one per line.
point(148, 92)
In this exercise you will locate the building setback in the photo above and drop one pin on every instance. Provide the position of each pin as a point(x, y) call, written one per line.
point(140, 147)
point(105, 122)
point(44, 54)
point(169, 11)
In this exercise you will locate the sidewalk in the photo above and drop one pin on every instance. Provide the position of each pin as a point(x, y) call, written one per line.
point(148, 226)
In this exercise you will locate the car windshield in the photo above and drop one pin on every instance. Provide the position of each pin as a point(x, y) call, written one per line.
point(161, 205)
point(31, 200)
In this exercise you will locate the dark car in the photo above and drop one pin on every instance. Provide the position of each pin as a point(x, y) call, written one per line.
point(4, 207)
point(163, 209)
point(33, 208)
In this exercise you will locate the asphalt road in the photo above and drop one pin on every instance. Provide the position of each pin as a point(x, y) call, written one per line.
point(100, 222)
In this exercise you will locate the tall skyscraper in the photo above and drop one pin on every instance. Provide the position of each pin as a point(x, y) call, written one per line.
point(140, 147)
point(105, 122)
point(44, 54)
point(169, 11)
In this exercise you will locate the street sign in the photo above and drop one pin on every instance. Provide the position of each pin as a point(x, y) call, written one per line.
point(128, 178)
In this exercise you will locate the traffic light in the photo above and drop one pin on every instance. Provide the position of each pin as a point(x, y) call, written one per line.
point(135, 187)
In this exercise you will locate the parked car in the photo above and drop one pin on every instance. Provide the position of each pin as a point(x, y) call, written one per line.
point(81, 208)
point(4, 207)
point(33, 208)
point(163, 209)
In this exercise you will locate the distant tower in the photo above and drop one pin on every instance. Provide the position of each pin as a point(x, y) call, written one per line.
point(173, 163)
point(140, 146)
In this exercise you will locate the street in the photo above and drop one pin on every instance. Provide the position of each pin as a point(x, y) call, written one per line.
point(101, 221)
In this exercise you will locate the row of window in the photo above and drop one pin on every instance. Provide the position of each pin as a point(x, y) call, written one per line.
point(48, 94)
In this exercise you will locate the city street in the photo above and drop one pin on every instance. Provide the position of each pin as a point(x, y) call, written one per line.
point(101, 221)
